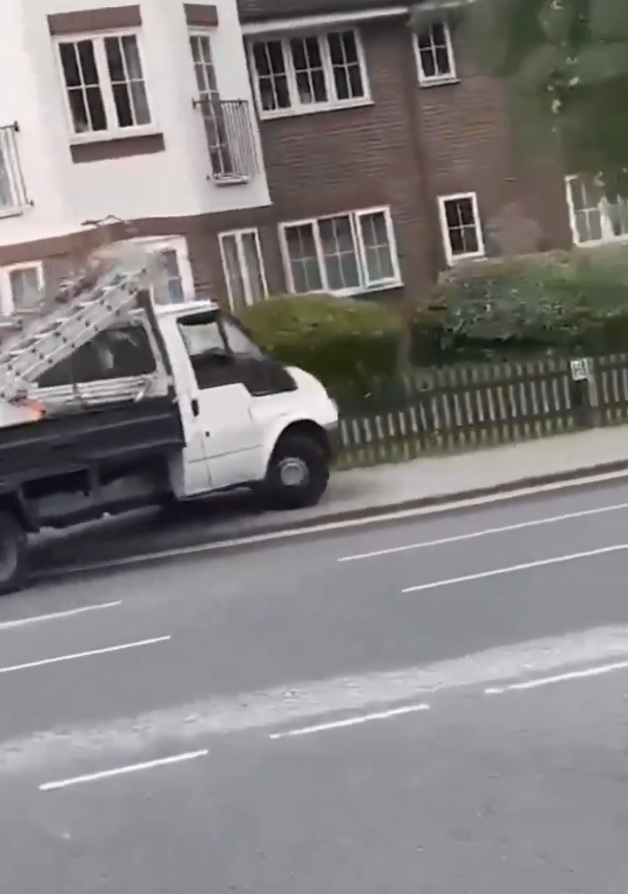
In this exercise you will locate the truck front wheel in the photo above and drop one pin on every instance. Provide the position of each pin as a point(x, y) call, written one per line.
point(298, 473)
point(12, 554)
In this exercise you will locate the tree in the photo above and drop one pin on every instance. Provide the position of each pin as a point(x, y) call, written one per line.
point(566, 62)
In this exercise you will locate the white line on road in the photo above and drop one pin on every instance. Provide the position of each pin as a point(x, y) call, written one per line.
point(351, 721)
point(22, 622)
point(105, 651)
point(560, 678)
point(120, 771)
point(554, 519)
point(525, 566)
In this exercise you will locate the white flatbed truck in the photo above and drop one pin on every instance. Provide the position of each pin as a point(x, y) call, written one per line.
point(110, 402)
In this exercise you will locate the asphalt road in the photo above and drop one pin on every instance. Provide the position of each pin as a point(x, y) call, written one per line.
point(434, 705)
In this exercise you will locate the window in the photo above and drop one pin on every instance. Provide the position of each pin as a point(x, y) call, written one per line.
point(21, 287)
point(208, 351)
point(6, 187)
point(593, 218)
point(178, 282)
point(174, 283)
point(461, 228)
point(435, 55)
point(306, 74)
point(104, 83)
point(216, 129)
point(243, 267)
point(347, 253)
point(240, 344)
point(116, 353)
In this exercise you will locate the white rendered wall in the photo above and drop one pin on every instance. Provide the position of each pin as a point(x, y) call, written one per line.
point(166, 184)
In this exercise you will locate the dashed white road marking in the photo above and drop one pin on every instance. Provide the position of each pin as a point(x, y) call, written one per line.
point(598, 671)
point(350, 721)
point(58, 659)
point(120, 771)
point(504, 529)
point(512, 569)
point(53, 616)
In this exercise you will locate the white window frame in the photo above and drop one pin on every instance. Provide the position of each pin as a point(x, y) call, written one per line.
point(238, 236)
point(7, 303)
point(358, 241)
point(179, 245)
point(606, 226)
point(296, 107)
point(434, 80)
point(114, 132)
point(453, 259)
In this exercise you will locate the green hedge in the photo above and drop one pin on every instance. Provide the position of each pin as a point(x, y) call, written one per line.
point(346, 343)
point(520, 308)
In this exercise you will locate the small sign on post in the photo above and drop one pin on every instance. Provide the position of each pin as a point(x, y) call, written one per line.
point(581, 369)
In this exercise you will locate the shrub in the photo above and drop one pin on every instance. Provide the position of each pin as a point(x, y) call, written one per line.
point(346, 343)
point(527, 305)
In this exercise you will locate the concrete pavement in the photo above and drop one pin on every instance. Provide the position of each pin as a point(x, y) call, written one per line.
point(288, 681)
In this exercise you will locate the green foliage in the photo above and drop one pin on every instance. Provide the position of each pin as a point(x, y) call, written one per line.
point(344, 342)
point(567, 64)
point(524, 307)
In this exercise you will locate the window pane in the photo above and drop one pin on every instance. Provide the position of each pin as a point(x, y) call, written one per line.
point(462, 229)
point(127, 82)
point(271, 75)
point(340, 254)
point(233, 271)
point(588, 226)
point(118, 352)
point(377, 248)
point(434, 52)
point(174, 285)
point(308, 67)
point(82, 86)
point(253, 263)
point(343, 52)
point(7, 199)
point(203, 65)
point(25, 287)
point(240, 343)
point(306, 274)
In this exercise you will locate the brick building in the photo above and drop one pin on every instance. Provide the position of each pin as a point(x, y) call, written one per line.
point(264, 146)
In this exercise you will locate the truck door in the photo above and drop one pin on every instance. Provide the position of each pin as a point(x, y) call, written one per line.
point(232, 436)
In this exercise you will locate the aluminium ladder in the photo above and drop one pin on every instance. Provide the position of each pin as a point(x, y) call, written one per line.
point(63, 328)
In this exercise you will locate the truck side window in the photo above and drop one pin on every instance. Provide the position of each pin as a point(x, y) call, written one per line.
point(209, 354)
point(239, 342)
point(115, 353)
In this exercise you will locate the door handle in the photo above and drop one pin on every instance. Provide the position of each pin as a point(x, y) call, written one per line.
point(195, 408)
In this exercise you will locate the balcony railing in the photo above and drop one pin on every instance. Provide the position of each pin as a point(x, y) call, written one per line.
point(13, 196)
point(230, 139)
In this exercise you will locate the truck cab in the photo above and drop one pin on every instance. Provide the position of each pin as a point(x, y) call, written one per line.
point(247, 419)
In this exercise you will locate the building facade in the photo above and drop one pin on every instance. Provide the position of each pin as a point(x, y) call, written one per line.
point(264, 146)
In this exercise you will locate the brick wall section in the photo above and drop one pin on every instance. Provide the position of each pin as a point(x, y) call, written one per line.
point(347, 159)
point(466, 130)
point(412, 145)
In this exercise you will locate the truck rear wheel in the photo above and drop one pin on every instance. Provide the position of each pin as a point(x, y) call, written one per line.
point(298, 473)
point(12, 554)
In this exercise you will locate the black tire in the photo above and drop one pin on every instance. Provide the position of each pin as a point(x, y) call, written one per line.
point(298, 473)
point(13, 554)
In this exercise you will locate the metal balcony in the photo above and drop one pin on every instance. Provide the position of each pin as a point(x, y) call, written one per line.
point(230, 139)
point(13, 196)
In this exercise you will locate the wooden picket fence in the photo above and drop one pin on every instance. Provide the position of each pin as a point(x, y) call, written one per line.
point(475, 406)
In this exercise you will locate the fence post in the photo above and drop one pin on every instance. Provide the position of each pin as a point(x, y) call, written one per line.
point(583, 392)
